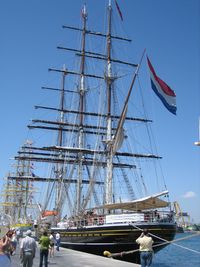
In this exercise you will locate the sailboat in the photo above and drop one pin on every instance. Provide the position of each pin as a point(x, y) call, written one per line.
point(94, 163)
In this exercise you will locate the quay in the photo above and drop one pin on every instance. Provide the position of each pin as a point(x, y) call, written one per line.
point(71, 258)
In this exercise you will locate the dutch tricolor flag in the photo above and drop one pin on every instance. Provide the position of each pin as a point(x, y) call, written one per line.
point(162, 90)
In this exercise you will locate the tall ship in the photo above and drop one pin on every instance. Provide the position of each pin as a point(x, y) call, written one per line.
point(96, 168)
point(17, 196)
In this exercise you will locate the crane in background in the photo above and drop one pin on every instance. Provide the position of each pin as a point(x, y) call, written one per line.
point(182, 218)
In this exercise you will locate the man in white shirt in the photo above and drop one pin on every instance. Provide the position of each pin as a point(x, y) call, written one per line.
point(57, 241)
point(146, 250)
point(18, 235)
point(27, 250)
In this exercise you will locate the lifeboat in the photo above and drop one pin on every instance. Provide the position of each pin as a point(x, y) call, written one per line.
point(47, 213)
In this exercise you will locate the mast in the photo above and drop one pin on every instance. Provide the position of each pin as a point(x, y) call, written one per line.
point(109, 176)
point(81, 110)
point(59, 170)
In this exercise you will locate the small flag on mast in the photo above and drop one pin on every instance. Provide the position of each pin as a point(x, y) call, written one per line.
point(84, 12)
point(162, 90)
point(120, 13)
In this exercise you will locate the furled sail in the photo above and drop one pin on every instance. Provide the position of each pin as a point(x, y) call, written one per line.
point(118, 137)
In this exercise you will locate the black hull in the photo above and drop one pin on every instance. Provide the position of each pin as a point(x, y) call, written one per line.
point(114, 238)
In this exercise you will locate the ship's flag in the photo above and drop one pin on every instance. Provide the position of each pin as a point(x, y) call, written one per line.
point(162, 90)
point(118, 9)
point(32, 165)
point(33, 174)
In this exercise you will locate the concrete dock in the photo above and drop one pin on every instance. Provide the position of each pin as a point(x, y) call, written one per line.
point(71, 258)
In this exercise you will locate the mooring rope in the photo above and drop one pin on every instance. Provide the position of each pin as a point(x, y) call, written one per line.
point(171, 242)
point(112, 255)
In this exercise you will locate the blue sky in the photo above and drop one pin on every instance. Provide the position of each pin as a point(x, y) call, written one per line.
point(169, 30)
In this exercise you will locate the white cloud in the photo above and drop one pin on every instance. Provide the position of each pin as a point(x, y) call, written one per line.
point(189, 194)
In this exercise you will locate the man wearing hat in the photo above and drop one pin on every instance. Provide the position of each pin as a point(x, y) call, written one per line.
point(27, 250)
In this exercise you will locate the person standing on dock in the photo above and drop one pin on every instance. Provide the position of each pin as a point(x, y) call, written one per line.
point(52, 244)
point(146, 250)
point(4, 259)
point(14, 242)
point(8, 249)
point(18, 234)
point(57, 241)
point(27, 250)
point(44, 249)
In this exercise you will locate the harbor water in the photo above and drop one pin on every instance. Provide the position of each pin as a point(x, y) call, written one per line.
point(177, 256)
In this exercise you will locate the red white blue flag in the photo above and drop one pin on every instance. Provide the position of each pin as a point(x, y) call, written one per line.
point(162, 90)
